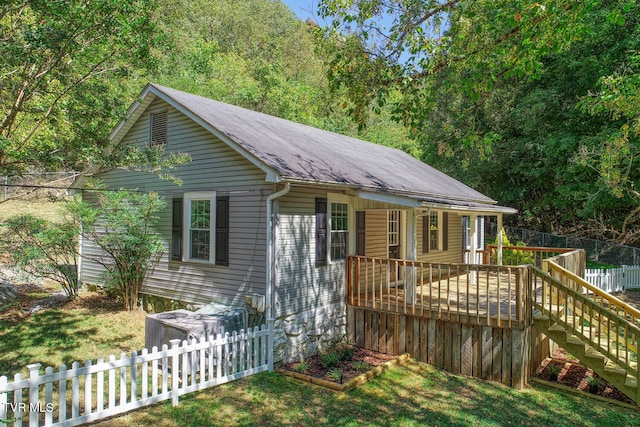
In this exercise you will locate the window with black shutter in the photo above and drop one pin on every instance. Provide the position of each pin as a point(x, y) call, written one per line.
point(435, 232)
point(222, 230)
point(176, 230)
point(321, 231)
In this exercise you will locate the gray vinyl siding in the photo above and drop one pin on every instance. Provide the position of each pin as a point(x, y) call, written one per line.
point(214, 167)
point(300, 285)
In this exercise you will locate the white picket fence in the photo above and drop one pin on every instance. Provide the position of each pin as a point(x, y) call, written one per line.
point(132, 381)
point(614, 279)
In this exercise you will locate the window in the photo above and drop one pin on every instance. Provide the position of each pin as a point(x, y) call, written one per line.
point(201, 228)
point(435, 232)
point(466, 232)
point(332, 229)
point(339, 230)
point(158, 128)
point(394, 228)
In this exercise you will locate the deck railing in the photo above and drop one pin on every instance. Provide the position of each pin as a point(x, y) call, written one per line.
point(600, 298)
point(602, 321)
point(521, 255)
point(477, 294)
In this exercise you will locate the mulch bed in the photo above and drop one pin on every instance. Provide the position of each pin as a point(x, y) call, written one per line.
point(347, 368)
point(572, 374)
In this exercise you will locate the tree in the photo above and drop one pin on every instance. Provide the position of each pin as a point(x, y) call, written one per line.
point(62, 65)
point(384, 46)
point(491, 92)
point(45, 249)
point(121, 223)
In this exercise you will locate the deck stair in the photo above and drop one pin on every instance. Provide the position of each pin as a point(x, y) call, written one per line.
point(588, 356)
point(598, 329)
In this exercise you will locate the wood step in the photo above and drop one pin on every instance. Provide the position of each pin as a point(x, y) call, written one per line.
point(595, 356)
point(613, 369)
point(631, 382)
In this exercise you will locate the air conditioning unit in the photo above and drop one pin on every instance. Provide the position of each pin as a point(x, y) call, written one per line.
point(184, 324)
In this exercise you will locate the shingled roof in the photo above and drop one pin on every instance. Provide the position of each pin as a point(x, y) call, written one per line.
point(300, 153)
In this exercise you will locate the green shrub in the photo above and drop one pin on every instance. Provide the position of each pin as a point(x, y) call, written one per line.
point(122, 223)
point(330, 359)
point(45, 249)
point(343, 348)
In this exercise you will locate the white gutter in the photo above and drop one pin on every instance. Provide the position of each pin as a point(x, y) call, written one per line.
point(270, 263)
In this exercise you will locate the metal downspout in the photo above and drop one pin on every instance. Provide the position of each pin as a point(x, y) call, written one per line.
point(270, 262)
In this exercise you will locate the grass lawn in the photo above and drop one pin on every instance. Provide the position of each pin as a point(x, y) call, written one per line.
point(90, 327)
point(415, 394)
point(41, 208)
point(410, 395)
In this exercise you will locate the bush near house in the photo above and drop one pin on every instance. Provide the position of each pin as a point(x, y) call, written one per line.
point(45, 249)
point(122, 224)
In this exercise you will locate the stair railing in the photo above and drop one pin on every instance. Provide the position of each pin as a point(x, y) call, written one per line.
point(599, 296)
point(604, 329)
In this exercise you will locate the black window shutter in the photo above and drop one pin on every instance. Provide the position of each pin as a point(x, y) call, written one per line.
point(360, 232)
point(425, 234)
point(176, 230)
point(445, 231)
point(321, 231)
point(465, 233)
point(222, 230)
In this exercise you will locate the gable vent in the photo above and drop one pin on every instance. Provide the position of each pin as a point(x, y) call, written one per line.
point(159, 128)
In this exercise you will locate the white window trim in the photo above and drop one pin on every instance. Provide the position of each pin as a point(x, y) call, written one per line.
point(439, 237)
point(479, 231)
point(186, 229)
point(351, 239)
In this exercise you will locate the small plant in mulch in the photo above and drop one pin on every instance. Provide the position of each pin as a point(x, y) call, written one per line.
point(361, 366)
point(301, 367)
point(330, 359)
point(339, 350)
point(335, 375)
point(553, 371)
point(340, 355)
point(594, 383)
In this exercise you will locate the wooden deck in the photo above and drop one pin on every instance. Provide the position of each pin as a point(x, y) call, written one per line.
point(472, 294)
point(468, 319)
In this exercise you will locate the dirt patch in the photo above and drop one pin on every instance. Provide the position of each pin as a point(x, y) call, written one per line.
point(362, 361)
point(572, 374)
point(630, 297)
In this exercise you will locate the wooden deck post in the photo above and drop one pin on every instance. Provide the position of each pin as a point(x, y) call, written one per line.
point(499, 239)
point(473, 247)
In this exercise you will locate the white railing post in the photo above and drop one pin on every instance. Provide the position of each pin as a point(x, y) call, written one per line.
point(48, 398)
point(87, 388)
point(174, 371)
point(34, 373)
point(3, 400)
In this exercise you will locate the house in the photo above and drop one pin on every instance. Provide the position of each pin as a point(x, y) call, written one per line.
point(273, 208)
